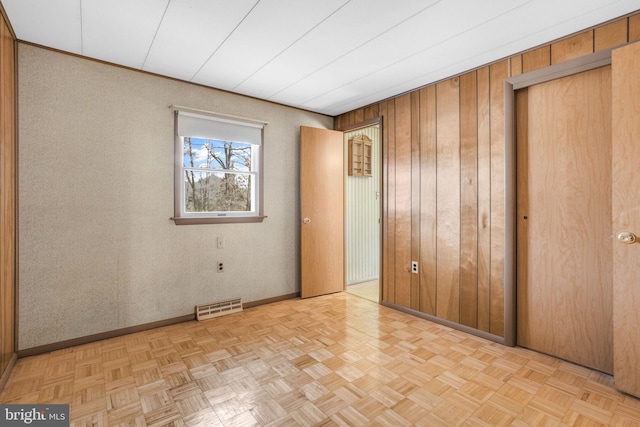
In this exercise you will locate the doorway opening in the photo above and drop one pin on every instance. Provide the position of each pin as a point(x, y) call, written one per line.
point(363, 202)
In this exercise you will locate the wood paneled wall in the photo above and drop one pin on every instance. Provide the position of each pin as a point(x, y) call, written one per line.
point(8, 175)
point(443, 183)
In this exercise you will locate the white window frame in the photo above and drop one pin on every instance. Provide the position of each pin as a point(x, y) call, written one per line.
point(207, 125)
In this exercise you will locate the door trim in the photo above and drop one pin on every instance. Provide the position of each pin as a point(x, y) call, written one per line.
point(568, 68)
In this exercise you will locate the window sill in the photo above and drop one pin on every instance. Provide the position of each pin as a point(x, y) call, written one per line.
point(217, 220)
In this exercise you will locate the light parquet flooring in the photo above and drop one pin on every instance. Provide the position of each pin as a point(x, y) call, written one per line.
point(331, 360)
point(368, 290)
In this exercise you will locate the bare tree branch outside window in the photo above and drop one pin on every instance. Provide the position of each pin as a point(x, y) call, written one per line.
point(217, 175)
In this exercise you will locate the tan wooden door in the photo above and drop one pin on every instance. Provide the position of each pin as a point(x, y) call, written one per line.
point(626, 217)
point(321, 211)
point(564, 218)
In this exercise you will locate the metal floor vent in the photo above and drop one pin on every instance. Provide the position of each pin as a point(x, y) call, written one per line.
point(220, 308)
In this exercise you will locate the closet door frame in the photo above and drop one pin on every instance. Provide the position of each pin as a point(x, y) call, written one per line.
point(511, 85)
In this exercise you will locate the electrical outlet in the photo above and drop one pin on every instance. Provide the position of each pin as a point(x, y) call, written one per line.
point(220, 243)
point(414, 267)
point(220, 267)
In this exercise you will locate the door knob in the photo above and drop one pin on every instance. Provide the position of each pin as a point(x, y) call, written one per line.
point(626, 237)
point(306, 220)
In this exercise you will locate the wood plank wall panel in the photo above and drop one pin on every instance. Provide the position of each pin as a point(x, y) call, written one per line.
point(536, 58)
point(403, 201)
point(433, 286)
point(371, 112)
point(386, 221)
point(515, 63)
point(610, 35)
point(428, 202)
point(6, 291)
point(8, 172)
point(498, 73)
point(355, 117)
point(572, 47)
point(484, 201)
point(415, 197)
point(448, 200)
point(391, 187)
point(634, 28)
point(468, 200)
point(351, 118)
point(358, 115)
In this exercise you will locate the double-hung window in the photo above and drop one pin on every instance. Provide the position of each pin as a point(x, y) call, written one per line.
point(218, 171)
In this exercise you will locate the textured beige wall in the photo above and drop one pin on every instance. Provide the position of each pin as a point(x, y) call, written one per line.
point(97, 250)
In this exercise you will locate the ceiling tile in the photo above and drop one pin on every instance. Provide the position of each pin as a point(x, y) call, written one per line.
point(136, 21)
point(190, 33)
point(52, 23)
point(448, 53)
point(271, 27)
point(424, 31)
point(342, 34)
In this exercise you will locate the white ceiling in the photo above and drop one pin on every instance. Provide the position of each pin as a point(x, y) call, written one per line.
point(328, 56)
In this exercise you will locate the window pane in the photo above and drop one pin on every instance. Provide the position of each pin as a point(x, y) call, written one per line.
point(213, 154)
point(218, 192)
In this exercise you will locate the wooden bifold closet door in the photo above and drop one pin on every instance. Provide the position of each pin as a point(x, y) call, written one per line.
point(564, 293)
point(626, 217)
point(578, 216)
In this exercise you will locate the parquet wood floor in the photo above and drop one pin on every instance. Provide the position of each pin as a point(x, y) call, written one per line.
point(369, 290)
point(332, 360)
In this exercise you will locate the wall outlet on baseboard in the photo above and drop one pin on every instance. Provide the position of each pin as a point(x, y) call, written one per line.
point(220, 267)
